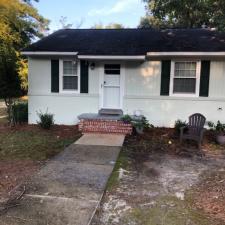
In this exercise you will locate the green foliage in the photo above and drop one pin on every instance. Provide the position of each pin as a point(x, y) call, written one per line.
point(46, 120)
point(141, 123)
point(178, 124)
point(23, 75)
point(20, 112)
point(186, 13)
point(9, 80)
point(19, 24)
point(219, 127)
point(126, 118)
point(152, 22)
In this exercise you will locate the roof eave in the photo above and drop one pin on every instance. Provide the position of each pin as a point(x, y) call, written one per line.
point(185, 54)
point(113, 57)
point(48, 53)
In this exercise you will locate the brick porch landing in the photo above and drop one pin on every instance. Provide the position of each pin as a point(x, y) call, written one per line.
point(95, 123)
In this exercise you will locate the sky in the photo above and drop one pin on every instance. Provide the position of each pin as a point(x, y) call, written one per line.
point(90, 12)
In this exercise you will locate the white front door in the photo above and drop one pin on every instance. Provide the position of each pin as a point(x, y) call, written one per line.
point(112, 86)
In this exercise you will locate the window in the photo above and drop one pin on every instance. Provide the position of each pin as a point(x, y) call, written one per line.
point(185, 78)
point(112, 69)
point(70, 77)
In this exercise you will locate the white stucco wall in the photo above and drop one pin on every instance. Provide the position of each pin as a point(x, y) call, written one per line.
point(65, 107)
point(141, 91)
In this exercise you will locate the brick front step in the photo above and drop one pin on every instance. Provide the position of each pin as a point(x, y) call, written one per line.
point(104, 126)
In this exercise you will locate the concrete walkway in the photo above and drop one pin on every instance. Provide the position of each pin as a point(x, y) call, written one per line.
point(67, 190)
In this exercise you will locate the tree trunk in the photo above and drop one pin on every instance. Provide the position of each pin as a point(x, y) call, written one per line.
point(9, 104)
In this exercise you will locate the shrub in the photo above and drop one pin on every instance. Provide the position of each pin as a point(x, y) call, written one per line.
point(178, 125)
point(141, 123)
point(219, 127)
point(20, 112)
point(46, 120)
point(126, 118)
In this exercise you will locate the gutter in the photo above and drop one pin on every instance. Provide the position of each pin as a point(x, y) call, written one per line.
point(40, 53)
point(110, 57)
point(157, 54)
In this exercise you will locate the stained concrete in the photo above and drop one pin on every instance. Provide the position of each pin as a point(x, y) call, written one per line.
point(102, 139)
point(67, 190)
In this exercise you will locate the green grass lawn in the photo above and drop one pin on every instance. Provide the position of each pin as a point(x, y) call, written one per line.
point(32, 142)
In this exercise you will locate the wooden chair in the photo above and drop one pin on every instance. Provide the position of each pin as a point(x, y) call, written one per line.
point(194, 129)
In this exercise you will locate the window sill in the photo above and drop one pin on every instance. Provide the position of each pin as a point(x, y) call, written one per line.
point(69, 92)
point(184, 95)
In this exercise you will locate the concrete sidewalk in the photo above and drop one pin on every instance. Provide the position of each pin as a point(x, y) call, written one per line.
point(67, 190)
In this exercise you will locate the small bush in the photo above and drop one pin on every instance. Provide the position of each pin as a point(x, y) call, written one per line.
point(126, 118)
point(141, 123)
point(46, 120)
point(20, 112)
point(178, 125)
point(219, 127)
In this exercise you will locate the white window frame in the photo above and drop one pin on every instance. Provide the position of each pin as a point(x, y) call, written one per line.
point(61, 77)
point(172, 73)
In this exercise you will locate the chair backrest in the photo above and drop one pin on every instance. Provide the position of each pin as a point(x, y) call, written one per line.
point(197, 120)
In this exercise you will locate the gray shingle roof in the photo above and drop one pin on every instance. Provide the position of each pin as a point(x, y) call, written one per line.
point(130, 41)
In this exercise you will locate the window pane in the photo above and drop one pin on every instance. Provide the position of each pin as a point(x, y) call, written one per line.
point(184, 85)
point(69, 67)
point(112, 69)
point(185, 69)
point(70, 82)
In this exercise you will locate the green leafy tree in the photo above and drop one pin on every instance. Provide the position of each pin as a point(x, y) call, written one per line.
point(9, 79)
point(23, 74)
point(19, 24)
point(185, 13)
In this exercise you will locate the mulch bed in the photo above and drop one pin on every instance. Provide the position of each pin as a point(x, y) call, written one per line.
point(209, 195)
point(60, 131)
point(13, 173)
point(165, 140)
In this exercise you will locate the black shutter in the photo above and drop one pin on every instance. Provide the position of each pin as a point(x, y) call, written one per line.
point(83, 76)
point(165, 77)
point(204, 79)
point(55, 76)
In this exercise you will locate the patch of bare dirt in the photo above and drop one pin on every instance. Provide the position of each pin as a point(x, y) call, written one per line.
point(153, 188)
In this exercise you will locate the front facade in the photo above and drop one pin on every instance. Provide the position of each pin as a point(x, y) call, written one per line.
point(163, 85)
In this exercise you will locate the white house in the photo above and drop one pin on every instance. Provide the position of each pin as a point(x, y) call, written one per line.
point(167, 74)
